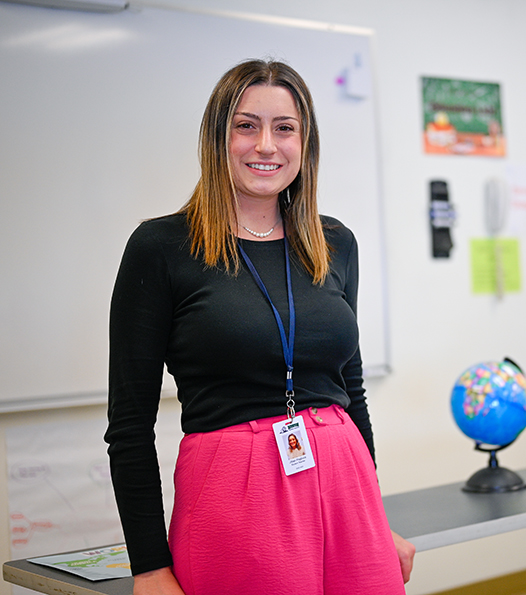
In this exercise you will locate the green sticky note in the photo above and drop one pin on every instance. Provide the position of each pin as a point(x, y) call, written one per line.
point(495, 262)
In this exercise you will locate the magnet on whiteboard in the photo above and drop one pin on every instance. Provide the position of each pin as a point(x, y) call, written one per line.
point(356, 79)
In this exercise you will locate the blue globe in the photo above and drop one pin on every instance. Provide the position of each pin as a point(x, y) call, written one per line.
point(488, 403)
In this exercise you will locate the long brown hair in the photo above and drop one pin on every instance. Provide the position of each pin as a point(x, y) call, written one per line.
point(211, 210)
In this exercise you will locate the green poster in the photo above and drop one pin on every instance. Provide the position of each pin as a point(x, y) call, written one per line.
point(462, 117)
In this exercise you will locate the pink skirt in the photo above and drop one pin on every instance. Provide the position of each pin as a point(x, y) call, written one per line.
point(241, 526)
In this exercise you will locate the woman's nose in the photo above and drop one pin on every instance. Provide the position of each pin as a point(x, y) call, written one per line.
point(265, 142)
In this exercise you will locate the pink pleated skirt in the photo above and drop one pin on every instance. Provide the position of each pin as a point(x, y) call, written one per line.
point(240, 526)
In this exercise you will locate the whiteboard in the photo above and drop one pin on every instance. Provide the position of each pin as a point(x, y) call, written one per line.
point(98, 131)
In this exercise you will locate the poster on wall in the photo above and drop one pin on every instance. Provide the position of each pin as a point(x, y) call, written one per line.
point(462, 118)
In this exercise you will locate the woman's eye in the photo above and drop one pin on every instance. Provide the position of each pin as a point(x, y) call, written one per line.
point(245, 125)
point(286, 128)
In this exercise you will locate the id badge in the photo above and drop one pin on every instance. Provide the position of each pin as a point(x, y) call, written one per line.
point(293, 445)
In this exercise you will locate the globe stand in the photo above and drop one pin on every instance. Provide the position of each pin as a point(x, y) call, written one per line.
point(493, 478)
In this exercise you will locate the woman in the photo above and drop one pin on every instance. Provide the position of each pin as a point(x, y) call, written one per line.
point(295, 449)
point(249, 298)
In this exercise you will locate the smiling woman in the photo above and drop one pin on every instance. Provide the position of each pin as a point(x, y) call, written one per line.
point(237, 295)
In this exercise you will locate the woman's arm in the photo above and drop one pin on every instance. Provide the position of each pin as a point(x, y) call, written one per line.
point(157, 582)
point(353, 372)
point(406, 554)
point(140, 325)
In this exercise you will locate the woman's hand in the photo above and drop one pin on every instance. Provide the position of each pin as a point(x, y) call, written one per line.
point(157, 582)
point(406, 553)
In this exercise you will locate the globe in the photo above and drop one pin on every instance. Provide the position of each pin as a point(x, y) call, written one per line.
point(488, 403)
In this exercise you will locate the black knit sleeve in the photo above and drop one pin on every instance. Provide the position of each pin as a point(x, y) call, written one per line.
point(140, 322)
point(353, 373)
point(357, 410)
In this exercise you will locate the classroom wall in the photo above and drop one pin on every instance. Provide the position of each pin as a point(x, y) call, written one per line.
point(437, 327)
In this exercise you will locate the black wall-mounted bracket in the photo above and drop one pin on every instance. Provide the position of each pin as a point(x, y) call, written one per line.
point(442, 217)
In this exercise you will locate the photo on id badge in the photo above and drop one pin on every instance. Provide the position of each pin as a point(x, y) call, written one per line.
point(293, 444)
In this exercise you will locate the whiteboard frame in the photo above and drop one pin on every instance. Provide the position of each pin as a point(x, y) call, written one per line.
point(99, 397)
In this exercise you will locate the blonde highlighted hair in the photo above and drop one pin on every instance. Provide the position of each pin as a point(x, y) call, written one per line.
point(211, 211)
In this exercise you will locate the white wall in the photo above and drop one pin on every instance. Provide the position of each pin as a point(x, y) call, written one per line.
point(437, 326)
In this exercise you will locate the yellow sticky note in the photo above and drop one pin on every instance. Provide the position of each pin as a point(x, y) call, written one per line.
point(493, 259)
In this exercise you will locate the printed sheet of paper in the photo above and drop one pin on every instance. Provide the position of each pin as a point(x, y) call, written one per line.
point(516, 219)
point(490, 255)
point(95, 565)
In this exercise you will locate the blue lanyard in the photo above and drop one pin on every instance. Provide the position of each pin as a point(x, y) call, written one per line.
point(288, 344)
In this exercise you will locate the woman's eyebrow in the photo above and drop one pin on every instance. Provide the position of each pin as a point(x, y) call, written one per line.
point(256, 117)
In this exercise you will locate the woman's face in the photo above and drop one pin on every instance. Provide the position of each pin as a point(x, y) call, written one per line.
point(292, 441)
point(265, 144)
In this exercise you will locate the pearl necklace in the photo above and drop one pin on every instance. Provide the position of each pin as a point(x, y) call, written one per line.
point(263, 234)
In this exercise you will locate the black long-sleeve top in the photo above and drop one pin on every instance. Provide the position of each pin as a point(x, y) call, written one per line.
point(218, 337)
